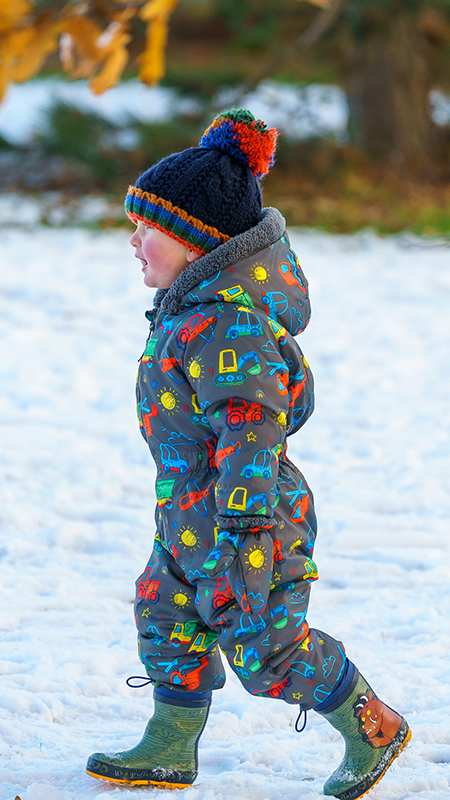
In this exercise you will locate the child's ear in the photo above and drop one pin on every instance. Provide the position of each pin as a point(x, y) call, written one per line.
point(192, 256)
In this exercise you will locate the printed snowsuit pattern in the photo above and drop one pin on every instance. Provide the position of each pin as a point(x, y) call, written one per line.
point(221, 384)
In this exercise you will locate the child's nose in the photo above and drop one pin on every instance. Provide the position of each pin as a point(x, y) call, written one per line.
point(134, 239)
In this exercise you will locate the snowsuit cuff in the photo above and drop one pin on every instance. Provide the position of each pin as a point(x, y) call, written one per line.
point(191, 699)
point(341, 691)
point(244, 523)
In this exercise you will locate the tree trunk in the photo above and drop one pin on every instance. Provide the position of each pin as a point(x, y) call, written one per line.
point(388, 85)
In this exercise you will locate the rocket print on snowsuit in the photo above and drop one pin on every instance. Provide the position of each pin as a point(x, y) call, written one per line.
point(221, 385)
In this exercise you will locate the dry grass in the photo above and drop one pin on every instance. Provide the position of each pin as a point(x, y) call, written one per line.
point(341, 193)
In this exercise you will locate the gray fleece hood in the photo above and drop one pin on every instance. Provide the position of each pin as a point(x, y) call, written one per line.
point(257, 269)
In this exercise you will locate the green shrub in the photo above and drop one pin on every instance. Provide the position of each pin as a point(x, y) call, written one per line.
point(83, 137)
point(107, 158)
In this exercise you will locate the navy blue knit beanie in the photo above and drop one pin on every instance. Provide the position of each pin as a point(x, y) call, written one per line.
point(205, 195)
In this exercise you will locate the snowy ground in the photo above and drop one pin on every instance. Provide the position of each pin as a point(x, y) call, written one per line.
point(298, 111)
point(315, 109)
point(77, 505)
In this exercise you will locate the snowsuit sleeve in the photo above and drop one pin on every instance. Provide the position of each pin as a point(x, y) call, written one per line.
point(245, 395)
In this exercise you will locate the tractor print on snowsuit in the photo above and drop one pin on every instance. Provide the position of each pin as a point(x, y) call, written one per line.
point(221, 386)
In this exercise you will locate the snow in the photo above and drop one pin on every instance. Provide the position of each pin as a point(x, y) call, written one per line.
point(77, 499)
point(22, 112)
point(298, 111)
point(440, 107)
point(55, 209)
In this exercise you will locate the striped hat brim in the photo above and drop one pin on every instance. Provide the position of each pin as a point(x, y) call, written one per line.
point(144, 207)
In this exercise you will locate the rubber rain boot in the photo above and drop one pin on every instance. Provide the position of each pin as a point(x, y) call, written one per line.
point(166, 756)
point(374, 736)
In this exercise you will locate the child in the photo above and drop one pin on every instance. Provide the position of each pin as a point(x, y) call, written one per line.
point(221, 384)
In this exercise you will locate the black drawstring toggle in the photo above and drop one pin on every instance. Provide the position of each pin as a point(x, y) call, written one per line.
point(301, 711)
point(144, 681)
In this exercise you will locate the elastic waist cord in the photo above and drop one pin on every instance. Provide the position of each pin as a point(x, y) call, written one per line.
point(171, 696)
point(336, 696)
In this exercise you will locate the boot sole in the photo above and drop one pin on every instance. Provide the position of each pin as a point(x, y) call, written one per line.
point(361, 789)
point(159, 784)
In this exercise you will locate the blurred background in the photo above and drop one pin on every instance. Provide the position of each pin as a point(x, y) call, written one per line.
point(96, 91)
point(92, 92)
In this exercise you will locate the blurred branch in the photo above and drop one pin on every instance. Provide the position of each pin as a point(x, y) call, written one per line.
point(434, 22)
point(323, 21)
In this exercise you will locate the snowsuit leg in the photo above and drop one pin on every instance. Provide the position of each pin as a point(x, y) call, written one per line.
point(175, 645)
point(270, 646)
point(274, 653)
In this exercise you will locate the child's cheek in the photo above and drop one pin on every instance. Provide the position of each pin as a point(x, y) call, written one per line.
point(151, 250)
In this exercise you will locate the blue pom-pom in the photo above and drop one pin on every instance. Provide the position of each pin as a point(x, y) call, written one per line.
point(225, 139)
point(243, 137)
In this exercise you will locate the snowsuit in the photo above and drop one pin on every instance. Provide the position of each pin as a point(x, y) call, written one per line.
point(221, 384)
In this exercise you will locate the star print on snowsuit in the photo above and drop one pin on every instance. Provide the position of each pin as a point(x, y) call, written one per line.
point(221, 385)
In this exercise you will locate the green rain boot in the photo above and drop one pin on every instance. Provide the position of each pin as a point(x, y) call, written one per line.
point(374, 736)
point(166, 756)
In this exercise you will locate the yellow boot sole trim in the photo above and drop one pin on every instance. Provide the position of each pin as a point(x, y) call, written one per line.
point(165, 785)
point(404, 744)
point(160, 784)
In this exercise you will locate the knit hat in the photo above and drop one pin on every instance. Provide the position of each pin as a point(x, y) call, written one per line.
point(204, 195)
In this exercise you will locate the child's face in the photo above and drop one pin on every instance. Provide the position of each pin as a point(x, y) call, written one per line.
point(162, 258)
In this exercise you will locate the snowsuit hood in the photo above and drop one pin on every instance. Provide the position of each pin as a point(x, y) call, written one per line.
point(284, 295)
